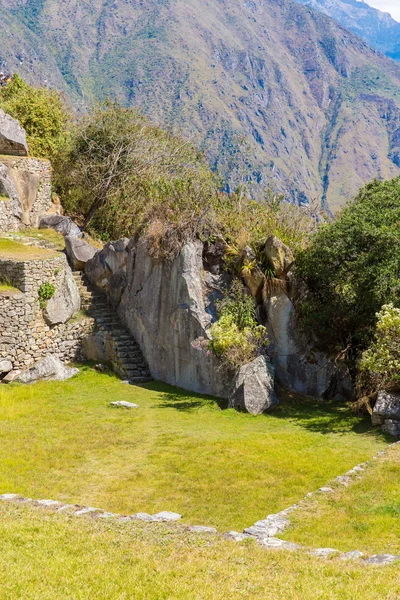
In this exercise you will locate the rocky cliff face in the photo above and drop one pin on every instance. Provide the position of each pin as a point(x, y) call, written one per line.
point(377, 28)
point(274, 92)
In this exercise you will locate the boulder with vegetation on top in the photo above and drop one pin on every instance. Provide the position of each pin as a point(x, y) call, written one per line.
point(12, 136)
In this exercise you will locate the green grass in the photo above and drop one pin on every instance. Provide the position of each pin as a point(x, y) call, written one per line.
point(178, 451)
point(12, 250)
point(48, 235)
point(6, 288)
point(365, 515)
point(47, 556)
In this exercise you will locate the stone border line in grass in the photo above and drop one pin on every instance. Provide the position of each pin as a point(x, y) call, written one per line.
point(265, 530)
point(268, 542)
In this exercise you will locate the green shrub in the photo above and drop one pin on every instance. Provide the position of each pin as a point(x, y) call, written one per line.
point(352, 267)
point(45, 292)
point(41, 112)
point(237, 337)
point(381, 361)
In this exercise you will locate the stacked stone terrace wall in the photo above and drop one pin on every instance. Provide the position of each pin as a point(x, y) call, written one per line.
point(25, 337)
point(32, 180)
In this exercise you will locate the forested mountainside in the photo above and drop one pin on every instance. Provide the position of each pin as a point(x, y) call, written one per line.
point(378, 28)
point(270, 89)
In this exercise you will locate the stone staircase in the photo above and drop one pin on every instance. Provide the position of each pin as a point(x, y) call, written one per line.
point(126, 356)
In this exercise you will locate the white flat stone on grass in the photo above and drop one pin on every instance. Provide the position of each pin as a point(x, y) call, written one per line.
point(324, 552)
point(326, 490)
point(165, 515)
point(9, 496)
point(202, 529)
point(142, 516)
point(353, 555)
point(48, 502)
point(87, 510)
point(123, 404)
point(107, 515)
point(272, 542)
point(236, 536)
point(382, 559)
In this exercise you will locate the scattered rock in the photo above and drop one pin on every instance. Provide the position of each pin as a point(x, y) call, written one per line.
point(268, 527)
point(11, 376)
point(86, 511)
point(166, 516)
point(142, 516)
point(324, 552)
point(273, 542)
point(278, 255)
point(79, 252)
point(49, 368)
point(254, 387)
point(107, 515)
point(5, 366)
point(326, 490)
point(64, 225)
point(382, 559)
point(12, 136)
point(9, 496)
point(123, 404)
point(202, 529)
point(353, 555)
point(48, 502)
point(236, 536)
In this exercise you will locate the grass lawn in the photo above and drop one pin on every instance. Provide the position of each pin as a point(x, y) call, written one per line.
point(178, 451)
point(12, 250)
point(6, 288)
point(48, 235)
point(48, 556)
point(364, 516)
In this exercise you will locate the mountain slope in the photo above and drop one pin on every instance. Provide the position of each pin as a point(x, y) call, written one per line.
point(271, 90)
point(376, 27)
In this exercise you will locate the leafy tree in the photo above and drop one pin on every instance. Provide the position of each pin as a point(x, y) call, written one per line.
point(352, 268)
point(381, 361)
point(42, 113)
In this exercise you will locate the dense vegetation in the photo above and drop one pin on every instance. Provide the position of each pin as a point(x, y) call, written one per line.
point(42, 113)
point(352, 267)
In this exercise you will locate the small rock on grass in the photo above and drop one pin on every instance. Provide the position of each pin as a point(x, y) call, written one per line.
point(382, 559)
point(202, 529)
point(9, 496)
point(354, 554)
point(272, 542)
point(123, 404)
point(236, 536)
point(165, 515)
point(323, 552)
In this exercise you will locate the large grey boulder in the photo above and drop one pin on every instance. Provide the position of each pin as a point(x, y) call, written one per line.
point(66, 301)
point(12, 136)
point(107, 269)
point(49, 368)
point(165, 306)
point(64, 225)
point(386, 412)
point(79, 252)
point(9, 193)
point(298, 366)
point(5, 366)
point(254, 387)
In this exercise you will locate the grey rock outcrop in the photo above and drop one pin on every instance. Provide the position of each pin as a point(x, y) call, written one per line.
point(386, 412)
point(12, 136)
point(107, 269)
point(165, 307)
point(49, 368)
point(79, 252)
point(64, 225)
point(66, 301)
point(278, 255)
point(254, 387)
point(298, 365)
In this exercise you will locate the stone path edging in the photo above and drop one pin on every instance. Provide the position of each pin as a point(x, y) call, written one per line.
point(263, 531)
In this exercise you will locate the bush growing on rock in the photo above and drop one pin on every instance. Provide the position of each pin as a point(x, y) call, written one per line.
point(237, 337)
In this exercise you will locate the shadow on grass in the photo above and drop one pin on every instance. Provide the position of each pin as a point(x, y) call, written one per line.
point(324, 416)
point(311, 414)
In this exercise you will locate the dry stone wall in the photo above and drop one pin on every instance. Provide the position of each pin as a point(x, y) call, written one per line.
point(26, 192)
point(25, 337)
